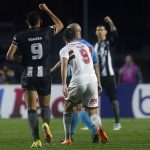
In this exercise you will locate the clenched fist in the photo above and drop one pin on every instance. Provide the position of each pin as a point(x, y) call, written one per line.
point(43, 7)
point(107, 19)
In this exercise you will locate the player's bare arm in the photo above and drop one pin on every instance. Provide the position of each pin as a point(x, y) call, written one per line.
point(11, 52)
point(57, 23)
point(64, 63)
point(112, 26)
point(58, 65)
point(97, 72)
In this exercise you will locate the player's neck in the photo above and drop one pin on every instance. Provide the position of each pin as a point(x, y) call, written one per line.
point(67, 42)
point(78, 36)
point(101, 39)
point(36, 26)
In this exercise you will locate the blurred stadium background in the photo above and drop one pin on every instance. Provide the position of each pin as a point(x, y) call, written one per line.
point(132, 19)
point(130, 16)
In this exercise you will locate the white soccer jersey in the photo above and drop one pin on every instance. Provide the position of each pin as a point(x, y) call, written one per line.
point(79, 57)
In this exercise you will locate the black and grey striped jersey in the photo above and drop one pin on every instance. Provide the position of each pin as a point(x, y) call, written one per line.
point(103, 50)
point(35, 45)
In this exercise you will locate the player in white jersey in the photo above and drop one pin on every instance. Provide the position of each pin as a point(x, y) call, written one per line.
point(78, 55)
point(83, 86)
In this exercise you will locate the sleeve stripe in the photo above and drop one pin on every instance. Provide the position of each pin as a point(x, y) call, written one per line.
point(14, 42)
point(52, 27)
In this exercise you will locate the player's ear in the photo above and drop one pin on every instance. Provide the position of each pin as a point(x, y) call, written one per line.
point(106, 31)
point(96, 32)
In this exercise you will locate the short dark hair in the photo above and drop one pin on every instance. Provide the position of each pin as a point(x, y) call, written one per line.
point(69, 34)
point(103, 25)
point(33, 17)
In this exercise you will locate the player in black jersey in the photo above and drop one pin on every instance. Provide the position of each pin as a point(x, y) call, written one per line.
point(103, 48)
point(34, 44)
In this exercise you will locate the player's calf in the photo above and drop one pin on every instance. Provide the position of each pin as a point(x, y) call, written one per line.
point(101, 133)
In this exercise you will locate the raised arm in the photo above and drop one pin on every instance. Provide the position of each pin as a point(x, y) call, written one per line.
point(57, 23)
point(113, 35)
point(109, 21)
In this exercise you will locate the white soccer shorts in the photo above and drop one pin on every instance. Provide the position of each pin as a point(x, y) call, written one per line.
point(85, 94)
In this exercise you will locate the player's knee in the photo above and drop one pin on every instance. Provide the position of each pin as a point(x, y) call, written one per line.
point(68, 106)
point(79, 107)
point(30, 111)
point(32, 108)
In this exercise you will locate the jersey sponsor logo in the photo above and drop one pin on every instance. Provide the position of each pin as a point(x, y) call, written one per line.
point(141, 101)
point(93, 101)
point(35, 39)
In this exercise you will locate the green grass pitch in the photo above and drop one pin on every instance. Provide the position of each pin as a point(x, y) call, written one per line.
point(134, 135)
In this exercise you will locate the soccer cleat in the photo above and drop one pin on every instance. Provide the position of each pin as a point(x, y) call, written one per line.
point(95, 138)
point(36, 144)
point(63, 139)
point(102, 136)
point(47, 133)
point(66, 142)
point(117, 127)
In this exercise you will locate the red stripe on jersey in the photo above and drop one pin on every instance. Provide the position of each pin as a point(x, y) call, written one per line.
point(90, 49)
point(71, 52)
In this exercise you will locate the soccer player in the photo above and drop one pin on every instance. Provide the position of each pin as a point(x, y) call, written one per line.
point(103, 49)
point(79, 112)
point(83, 87)
point(82, 113)
point(34, 44)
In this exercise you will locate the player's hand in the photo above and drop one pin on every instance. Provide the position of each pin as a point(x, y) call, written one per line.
point(107, 19)
point(99, 89)
point(65, 90)
point(43, 7)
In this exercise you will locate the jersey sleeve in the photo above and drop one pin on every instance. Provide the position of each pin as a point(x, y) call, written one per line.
point(64, 53)
point(96, 53)
point(16, 40)
point(94, 57)
point(113, 37)
point(52, 29)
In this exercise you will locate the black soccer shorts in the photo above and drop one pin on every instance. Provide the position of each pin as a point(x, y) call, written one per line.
point(40, 84)
point(109, 85)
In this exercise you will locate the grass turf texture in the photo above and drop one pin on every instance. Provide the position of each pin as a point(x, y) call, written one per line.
point(134, 135)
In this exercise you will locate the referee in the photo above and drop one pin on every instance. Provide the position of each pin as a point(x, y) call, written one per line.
point(103, 49)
